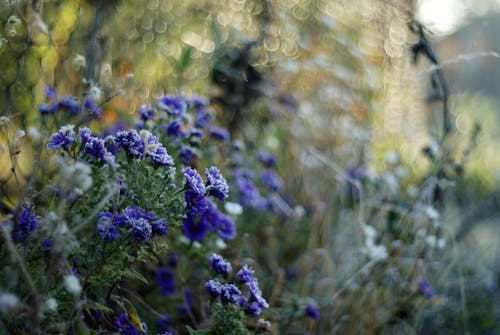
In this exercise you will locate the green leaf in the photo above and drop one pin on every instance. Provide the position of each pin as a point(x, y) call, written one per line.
point(185, 59)
point(79, 328)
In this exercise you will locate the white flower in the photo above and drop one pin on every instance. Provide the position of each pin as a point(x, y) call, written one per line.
point(51, 304)
point(79, 62)
point(233, 208)
point(8, 302)
point(77, 176)
point(375, 252)
point(391, 157)
point(95, 92)
point(72, 284)
point(220, 244)
point(369, 232)
point(20, 134)
point(431, 212)
point(34, 133)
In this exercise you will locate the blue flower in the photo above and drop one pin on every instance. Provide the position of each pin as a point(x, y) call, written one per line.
point(230, 294)
point(216, 184)
point(165, 280)
point(226, 229)
point(131, 142)
point(45, 109)
point(246, 274)
point(194, 228)
point(253, 309)
point(271, 180)
point(220, 134)
point(141, 229)
point(188, 155)
point(174, 129)
point(50, 92)
point(62, 139)
point(160, 227)
point(312, 311)
point(266, 158)
point(219, 264)
point(71, 105)
point(94, 110)
point(197, 102)
point(194, 181)
point(214, 288)
point(164, 323)
point(125, 326)
point(426, 289)
point(146, 113)
point(173, 105)
point(96, 148)
point(203, 119)
point(26, 223)
point(107, 226)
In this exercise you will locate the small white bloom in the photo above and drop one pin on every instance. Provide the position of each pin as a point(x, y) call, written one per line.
point(441, 243)
point(375, 252)
point(299, 211)
point(67, 128)
point(72, 284)
point(8, 302)
point(233, 208)
point(369, 231)
point(51, 304)
point(197, 245)
point(4, 120)
point(13, 20)
point(130, 75)
point(34, 133)
point(391, 182)
point(431, 240)
point(220, 244)
point(272, 142)
point(106, 70)
point(95, 92)
point(20, 134)
point(391, 157)
point(400, 172)
point(431, 212)
point(79, 62)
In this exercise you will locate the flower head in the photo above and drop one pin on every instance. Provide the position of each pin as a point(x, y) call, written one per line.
point(63, 138)
point(216, 184)
point(173, 105)
point(219, 264)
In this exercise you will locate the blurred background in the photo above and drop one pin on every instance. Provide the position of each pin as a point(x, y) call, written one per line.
point(330, 86)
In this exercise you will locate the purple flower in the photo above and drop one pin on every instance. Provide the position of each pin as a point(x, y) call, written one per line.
point(216, 184)
point(165, 280)
point(160, 227)
point(161, 157)
point(47, 244)
point(107, 226)
point(271, 180)
point(249, 195)
point(246, 274)
point(96, 148)
point(164, 322)
point(256, 293)
point(131, 142)
point(85, 134)
point(219, 264)
point(94, 110)
point(197, 102)
point(253, 309)
point(266, 158)
point(146, 113)
point(141, 229)
point(220, 134)
point(203, 119)
point(188, 155)
point(50, 92)
point(173, 105)
point(230, 294)
point(312, 311)
point(62, 139)
point(71, 105)
point(426, 289)
point(214, 288)
point(26, 223)
point(194, 228)
point(174, 129)
point(126, 327)
point(45, 109)
point(194, 181)
point(226, 229)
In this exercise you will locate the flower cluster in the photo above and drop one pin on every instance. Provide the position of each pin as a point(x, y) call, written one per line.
point(252, 304)
point(141, 224)
point(202, 213)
